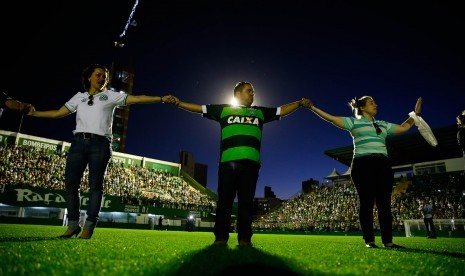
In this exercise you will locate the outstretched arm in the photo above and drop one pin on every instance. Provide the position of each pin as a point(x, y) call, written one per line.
point(291, 107)
point(53, 114)
point(17, 105)
point(405, 126)
point(335, 120)
point(192, 107)
point(143, 99)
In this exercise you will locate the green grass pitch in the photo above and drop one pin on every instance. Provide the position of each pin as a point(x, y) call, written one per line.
point(36, 250)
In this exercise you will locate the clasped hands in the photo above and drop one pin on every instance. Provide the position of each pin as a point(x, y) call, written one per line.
point(307, 103)
point(171, 100)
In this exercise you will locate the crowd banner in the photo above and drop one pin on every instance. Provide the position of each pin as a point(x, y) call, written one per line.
point(18, 196)
point(40, 197)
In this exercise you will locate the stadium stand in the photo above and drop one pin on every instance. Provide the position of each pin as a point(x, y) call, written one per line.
point(436, 173)
point(34, 169)
point(147, 188)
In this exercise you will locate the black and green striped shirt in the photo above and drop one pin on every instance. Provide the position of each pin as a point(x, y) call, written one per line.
point(241, 129)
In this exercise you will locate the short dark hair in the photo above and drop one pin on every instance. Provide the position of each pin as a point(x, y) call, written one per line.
point(239, 86)
point(87, 72)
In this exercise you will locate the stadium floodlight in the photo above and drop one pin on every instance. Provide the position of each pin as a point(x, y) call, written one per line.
point(234, 102)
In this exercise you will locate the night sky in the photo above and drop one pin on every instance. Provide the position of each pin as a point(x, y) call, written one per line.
point(328, 51)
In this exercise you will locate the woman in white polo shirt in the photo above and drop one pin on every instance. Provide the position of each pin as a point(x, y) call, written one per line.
point(92, 142)
point(371, 170)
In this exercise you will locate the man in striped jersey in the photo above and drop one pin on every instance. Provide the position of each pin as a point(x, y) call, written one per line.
point(241, 135)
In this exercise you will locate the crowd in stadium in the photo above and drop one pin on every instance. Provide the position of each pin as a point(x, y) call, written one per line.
point(32, 166)
point(335, 207)
point(325, 208)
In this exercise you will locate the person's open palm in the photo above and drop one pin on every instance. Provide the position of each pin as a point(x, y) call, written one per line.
point(418, 106)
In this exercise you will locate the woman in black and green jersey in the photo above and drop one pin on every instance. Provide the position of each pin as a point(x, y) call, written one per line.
point(241, 135)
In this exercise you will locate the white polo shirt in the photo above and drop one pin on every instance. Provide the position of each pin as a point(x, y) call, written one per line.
point(96, 118)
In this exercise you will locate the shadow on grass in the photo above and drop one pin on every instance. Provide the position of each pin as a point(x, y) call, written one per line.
point(223, 260)
point(28, 239)
point(435, 252)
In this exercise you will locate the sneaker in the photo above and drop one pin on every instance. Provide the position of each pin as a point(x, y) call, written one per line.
point(371, 245)
point(245, 243)
point(220, 242)
point(393, 245)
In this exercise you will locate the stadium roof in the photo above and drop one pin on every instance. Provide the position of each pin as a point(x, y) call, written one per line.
point(333, 174)
point(411, 148)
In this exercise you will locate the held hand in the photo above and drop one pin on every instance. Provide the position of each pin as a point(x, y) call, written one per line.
point(418, 106)
point(171, 99)
point(167, 99)
point(30, 110)
point(25, 107)
point(307, 103)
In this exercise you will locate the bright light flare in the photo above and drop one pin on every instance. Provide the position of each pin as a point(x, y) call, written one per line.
point(234, 102)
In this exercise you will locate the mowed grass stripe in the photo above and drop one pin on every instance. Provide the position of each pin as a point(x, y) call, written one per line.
point(36, 250)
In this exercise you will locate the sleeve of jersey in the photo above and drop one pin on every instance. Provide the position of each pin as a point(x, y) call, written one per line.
point(348, 123)
point(72, 104)
point(271, 113)
point(212, 111)
point(118, 98)
point(390, 127)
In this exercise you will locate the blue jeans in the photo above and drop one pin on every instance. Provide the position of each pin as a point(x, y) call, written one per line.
point(96, 153)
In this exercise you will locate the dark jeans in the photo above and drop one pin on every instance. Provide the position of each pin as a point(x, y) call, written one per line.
point(96, 153)
point(373, 178)
point(237, 177)
point(429, 227)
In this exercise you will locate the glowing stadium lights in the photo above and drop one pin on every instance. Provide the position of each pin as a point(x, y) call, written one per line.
point(234, 102)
